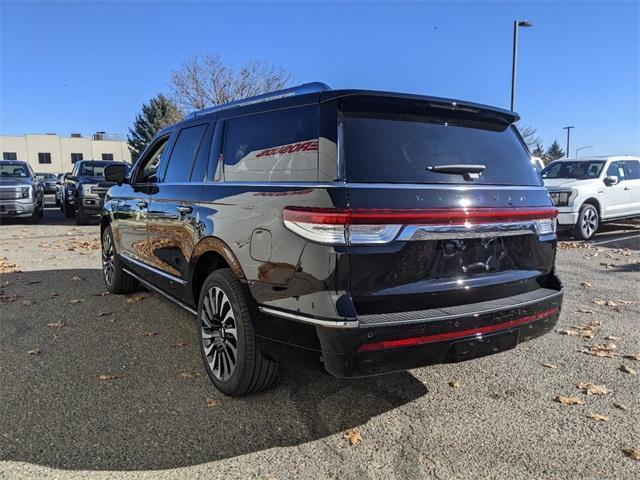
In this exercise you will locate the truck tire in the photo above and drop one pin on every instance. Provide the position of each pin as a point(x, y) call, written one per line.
point(81, 217)
point(588, 222)
point(228, 346)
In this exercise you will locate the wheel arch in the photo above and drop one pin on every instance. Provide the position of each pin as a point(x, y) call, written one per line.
point(594, 201)
point(208, 255)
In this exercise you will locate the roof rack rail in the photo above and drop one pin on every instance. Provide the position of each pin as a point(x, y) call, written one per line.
point(313, 87)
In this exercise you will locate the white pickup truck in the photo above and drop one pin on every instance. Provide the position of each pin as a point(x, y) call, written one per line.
point(592, 190)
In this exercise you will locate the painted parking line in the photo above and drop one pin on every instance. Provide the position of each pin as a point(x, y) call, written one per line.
point(616, 239)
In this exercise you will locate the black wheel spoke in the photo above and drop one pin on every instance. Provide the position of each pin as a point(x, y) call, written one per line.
point(219, 333)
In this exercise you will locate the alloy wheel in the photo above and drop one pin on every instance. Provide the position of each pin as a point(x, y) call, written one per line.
point(219, 333)
point(108, 265)
point(589, 222)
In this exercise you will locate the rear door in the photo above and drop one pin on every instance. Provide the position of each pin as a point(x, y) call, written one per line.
point(173, 220)
point(632, 170)
point(462, 237)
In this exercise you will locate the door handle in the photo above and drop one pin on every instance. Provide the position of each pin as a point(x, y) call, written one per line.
point(142, 204)
point(184, 209)
point(627, 188)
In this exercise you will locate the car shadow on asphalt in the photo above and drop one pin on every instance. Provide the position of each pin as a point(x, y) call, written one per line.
point(161, 412)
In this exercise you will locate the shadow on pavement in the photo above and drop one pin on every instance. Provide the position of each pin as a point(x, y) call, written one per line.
point(54, 411)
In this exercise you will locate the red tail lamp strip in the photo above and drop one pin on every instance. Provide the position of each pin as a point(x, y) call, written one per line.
point(442, 216)
point(443, 337)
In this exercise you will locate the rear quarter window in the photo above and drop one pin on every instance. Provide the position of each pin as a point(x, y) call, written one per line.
point(397, 148)
point(273, 146)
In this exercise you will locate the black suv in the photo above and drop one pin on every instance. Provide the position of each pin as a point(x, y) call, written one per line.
point(368, 231)
point(84, 190)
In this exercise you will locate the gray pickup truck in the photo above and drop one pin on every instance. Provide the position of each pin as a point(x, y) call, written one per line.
point(21, 192)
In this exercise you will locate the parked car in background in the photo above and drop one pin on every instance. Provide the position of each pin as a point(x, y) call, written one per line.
point(84, 190)
point(367, 231)
point(49, 181)
point(592, 190)
point(59, 191)
point(21, 192)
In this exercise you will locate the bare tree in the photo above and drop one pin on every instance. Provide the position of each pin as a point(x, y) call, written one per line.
point(529, 135)
point(204, 81)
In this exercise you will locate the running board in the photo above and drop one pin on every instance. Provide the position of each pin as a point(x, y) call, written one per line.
point(157, 290)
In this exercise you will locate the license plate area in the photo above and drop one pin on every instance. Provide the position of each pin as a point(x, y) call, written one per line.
point(485, 345)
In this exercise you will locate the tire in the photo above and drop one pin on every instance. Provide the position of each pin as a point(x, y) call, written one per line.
point(35, 217)
point(233, 373)
point(68, 211)
point(588, 222)
point(81, 217)
point(116, 280)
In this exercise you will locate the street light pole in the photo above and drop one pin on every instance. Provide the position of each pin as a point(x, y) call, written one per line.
point(582, 148)
point(514, 66)
point(568, 129)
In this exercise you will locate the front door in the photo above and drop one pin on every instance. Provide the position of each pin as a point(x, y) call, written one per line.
point(130, 211)
point(173, 222)
point(617, 197)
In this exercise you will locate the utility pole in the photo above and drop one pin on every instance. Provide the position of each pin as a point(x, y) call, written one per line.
point(568, 129)
point(514, 66)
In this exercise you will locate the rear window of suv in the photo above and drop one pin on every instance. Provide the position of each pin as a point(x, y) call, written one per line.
point(397, 148)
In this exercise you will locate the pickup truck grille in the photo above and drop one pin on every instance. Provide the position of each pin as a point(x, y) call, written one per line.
point(10, 193)
point(98, 190)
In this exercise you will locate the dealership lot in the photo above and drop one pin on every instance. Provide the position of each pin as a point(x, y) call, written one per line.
point(154, 409)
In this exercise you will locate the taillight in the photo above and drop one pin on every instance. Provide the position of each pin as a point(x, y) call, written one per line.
point(379, 226)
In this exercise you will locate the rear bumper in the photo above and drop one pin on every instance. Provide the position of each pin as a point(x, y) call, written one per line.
point(371, 345)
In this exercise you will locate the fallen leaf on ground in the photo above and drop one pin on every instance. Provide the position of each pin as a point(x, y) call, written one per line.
point(612, 338)
point(593, 389)
point(549, 365)
point(633, 356)
point(109, 376)
point(54, 295)
point(620, 406)
point(213, 402)
point(626, 302)
point(103, 294)
point(625, 369)
point(353, 436)
point(190, 375)
point(633, 453)
point(34, 352)
point(602, 350)
point(149, 334)
point(569, 400)
point(76, 279)
point(26, 303)
point(56, 325)
point(454, 384)
point(104, 314)
point(32, 282)
point(597, 417)
point(180, 344)
point(584, 310)
point(76, 300)
point(135, 299)
point(586, 284)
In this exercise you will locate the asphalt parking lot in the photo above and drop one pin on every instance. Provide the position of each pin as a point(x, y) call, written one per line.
point(155, 415)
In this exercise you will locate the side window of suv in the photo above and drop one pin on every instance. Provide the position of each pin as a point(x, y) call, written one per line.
point(632, 168)
point(273, 146)
point(616, 170)
point(149, 166)
point(184, 153)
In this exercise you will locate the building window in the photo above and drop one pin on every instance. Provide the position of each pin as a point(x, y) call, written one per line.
point(9, 156)
point(76, 157)
point(107, 156)
point(44, 157)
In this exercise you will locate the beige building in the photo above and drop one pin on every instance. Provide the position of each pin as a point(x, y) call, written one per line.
point(51, 153)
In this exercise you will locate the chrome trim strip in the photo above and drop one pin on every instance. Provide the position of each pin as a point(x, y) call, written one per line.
point(310, 320)
point(129, 258)
point(447, 232)
point(157, 290)
point(465, 314)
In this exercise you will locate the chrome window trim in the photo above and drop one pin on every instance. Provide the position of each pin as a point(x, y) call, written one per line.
point(157, 271)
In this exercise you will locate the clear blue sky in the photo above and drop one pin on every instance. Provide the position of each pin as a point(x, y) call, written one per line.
point(67, 66)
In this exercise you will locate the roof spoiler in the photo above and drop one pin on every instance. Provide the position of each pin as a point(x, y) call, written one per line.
point(313, 87)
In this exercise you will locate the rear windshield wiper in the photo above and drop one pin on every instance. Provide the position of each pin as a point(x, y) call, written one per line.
point(468, 172)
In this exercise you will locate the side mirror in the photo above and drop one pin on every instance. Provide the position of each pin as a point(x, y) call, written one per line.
point(610, 180)
point(68, 176)
point(116, 172)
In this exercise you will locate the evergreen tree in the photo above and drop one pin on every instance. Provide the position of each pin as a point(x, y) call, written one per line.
point(155, 115)
point(554, 152)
